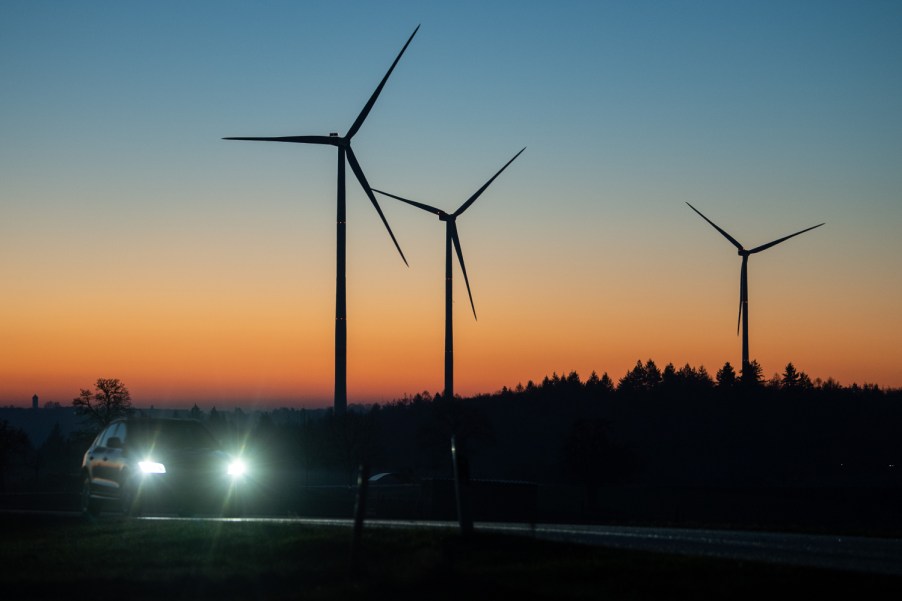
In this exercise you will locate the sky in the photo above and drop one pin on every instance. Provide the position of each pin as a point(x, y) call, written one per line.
point(136, 244)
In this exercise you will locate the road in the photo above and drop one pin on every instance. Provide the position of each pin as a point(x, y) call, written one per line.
point(871, 555)
point(852, 553)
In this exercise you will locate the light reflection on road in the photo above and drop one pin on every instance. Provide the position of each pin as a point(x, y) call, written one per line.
point(849, 553)
point(852, 553)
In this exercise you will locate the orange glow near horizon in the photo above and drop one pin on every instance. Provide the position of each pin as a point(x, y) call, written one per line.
point(283, 356)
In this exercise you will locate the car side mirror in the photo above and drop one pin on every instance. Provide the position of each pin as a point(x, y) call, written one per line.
point(114, 443)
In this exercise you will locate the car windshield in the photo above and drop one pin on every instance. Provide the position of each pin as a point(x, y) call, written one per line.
point(172, 435)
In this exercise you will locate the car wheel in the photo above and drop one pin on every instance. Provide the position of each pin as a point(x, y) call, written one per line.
point(129, 503)
point(90, 506)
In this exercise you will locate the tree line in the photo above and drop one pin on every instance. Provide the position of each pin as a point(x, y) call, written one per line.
point(651, 425)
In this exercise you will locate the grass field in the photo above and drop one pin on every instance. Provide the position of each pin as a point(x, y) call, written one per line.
point(68, 558)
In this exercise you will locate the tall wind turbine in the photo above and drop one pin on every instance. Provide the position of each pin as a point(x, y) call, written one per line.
point(343, 143)
point(451, 238)
point(743, 280)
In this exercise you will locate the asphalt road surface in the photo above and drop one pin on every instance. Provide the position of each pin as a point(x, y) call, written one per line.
point(860, 554)
point(852, 553)
point(872, 555)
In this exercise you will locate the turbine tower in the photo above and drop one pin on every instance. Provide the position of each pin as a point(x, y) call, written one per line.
point(744, 283)
point(343, 143)
point(452, 239)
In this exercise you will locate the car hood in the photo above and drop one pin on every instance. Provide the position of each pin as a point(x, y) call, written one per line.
point(184, 458)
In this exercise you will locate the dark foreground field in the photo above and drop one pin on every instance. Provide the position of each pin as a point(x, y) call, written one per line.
point(64, 557)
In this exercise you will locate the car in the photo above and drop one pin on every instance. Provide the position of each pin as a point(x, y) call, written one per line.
point(137, 464)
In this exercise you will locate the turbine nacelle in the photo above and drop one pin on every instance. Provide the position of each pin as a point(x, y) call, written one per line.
point(451, 228)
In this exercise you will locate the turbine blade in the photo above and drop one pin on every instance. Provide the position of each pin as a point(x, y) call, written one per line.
point(473, 198)
point(743, 290)
point(726, 235)
point(369, 105)
point(355, 167)
point(463, 267)
point(298, 139)
point(420, 205)
point(783, 239)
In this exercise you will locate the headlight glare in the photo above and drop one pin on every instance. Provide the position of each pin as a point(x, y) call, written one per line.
point(237, 468)
point(152, 467)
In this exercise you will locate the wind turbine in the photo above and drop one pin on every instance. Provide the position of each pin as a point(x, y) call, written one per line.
point(452, 239)
point(743, 280)
point(343, 143)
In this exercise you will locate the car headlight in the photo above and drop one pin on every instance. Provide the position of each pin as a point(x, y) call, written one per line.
point(151, 467)
point(237, 468)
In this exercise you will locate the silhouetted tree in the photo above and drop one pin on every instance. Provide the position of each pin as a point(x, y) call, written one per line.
point(598, 388)
point(652, 375)
point(790, 380)
point(669, 378)
point(694, 381)
point(196, 413)
point(805, 382)
point(726, 377)
point(606, 384)
point(109, 400)
point(634, 380)
point(641, 379)
point(752, 375)
point(831, 386)
point(775, 383)
point(703, 378)
point(572, 384)
point(550, 385)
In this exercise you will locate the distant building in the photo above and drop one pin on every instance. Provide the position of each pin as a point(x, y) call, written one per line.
point(34, 402)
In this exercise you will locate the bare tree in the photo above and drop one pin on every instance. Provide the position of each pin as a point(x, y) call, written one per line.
point(109, 400)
